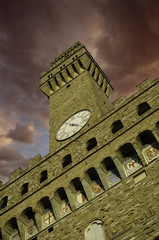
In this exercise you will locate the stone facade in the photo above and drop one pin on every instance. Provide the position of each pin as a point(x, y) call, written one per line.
point(105, 176)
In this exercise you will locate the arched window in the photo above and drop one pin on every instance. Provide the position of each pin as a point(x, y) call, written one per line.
point(3, 202)
point(24, 188)
point(95, 182)
point(28, 220)
point(67, 160)
point(130, 158)
point(44, 207)
point(95, 231)
point(143, 107)
point(116, 126)
point(11, 228)
point(150, 146)
point(113, 176)
point(62, 201)
point(43, 176)
point(91, 143)
point(78, 190)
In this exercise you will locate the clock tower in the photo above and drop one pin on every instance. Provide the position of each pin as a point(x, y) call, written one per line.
point(78, 93)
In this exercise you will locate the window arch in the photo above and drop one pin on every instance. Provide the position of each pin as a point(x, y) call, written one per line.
point(78, 191)
point(143, 107)
point(116, 126)
point(44, 207)
point(147, 137)
point(112, 173)
point(94, 181)
point(27, 218)
point(62, 202)
point(150, 146)
point(11, 228)
point(130, 158)
point(95, 231)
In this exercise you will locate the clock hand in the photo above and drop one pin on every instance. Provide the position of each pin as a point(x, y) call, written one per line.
point(73, 124)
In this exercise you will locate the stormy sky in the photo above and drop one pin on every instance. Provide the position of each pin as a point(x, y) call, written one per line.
point(122, 36)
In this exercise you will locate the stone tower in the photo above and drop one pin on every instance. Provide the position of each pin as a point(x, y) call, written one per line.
point(99, 180)
point(73, 84)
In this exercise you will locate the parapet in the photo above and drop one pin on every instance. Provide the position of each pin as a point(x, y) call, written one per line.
point(15, 174)
point(34, 161)
point(119, 102)
point(141, 88)
point(18, 172)
point(144, 85)
point(66, 54)
point(70, 65)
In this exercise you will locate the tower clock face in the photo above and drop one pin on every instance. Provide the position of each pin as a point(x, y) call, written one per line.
point(73, 125)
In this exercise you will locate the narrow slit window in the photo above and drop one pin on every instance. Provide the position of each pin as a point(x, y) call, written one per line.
point(67, 160)
point(24, 188)
point(4, 202)
point(43, 176)
point(91, 144)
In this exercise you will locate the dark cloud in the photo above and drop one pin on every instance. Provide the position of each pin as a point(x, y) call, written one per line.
point(10, 159)
point(22, 133)
point(129, 45)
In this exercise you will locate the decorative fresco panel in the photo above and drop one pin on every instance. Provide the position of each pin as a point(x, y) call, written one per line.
point(81, 199)
point(97, 189)
point(65, 209)
point(150, 152)
point(48, 218)
point(113, 178)
point(131, 164)
point(31, 229)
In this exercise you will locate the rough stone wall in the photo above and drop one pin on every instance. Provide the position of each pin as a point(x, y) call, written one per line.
point(128, 211)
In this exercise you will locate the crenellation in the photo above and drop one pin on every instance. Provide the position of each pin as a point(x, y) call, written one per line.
point(119, 102)
point(34, 161)
point(72, 69)
point(144, 84)
point(15, 174)
point(70, 51)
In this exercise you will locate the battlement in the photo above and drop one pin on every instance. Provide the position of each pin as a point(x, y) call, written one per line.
point(141, 87)
point(70, 51)
point(63, 57)
point(18, 173)
point(70, 65)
